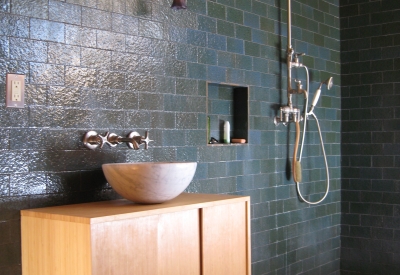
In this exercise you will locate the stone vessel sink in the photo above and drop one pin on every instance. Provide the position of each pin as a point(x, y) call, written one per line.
point(149, 182)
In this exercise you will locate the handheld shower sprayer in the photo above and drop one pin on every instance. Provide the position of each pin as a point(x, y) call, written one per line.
point(328, 83)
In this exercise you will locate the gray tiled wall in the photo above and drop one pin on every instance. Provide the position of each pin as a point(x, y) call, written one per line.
point(123, 65)
point(370, 137)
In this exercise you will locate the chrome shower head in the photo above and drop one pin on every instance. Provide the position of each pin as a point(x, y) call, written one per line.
point(328, 83)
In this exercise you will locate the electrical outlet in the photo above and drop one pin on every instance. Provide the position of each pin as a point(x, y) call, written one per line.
point(16, 90)
point(15, 84)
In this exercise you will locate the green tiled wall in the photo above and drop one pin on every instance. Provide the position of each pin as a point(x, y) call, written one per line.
point(124, 65)
point(370, 137)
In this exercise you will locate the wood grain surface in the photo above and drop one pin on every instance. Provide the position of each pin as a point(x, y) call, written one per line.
point(194, 234)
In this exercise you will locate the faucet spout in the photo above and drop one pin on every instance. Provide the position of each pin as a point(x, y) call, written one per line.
point(131, 140)
point(299, 89)
point(134, 140)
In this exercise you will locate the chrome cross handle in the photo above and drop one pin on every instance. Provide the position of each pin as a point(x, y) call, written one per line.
point(92, 140)
point(134, 139)
point(146, 140)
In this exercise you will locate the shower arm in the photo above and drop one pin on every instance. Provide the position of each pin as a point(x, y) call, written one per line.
point(289, 76)
point(289, 28)
point(289, 56)
point(289, 113)
point(292, 60)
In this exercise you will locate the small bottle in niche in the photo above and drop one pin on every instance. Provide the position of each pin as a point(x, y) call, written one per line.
point(227, 132)
point(208, 129)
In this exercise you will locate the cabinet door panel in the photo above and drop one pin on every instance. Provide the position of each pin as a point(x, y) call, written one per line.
point(54, 247)
point(179, 243)
point(158, 245)
point(125, 247)
point(224, 240)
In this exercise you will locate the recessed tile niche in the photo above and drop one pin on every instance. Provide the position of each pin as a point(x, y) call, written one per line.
point(227, 102)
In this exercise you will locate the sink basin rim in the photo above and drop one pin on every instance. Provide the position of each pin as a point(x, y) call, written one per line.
point(148, 163)
point(149, 182)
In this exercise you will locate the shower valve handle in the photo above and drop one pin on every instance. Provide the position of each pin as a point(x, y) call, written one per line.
point(296, 62)
point(299, 87)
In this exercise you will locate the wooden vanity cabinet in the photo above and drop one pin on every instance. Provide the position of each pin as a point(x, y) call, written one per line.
point(193, 234)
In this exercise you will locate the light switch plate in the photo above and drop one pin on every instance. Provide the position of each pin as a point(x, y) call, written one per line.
point(15, 90)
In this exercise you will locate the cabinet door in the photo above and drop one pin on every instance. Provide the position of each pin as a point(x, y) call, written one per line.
point(54, 247)
point(225, 242)
point(179, 243)
point(162, 244)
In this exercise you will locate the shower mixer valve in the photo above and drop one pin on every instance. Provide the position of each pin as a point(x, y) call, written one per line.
point(288, 114)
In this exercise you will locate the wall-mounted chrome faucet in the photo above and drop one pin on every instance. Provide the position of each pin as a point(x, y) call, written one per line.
point(93, 140)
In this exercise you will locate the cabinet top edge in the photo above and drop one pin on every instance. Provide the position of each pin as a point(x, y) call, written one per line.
point(107, 211)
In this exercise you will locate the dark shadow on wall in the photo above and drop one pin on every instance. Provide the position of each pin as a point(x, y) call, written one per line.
point(282, 59)
point(276, 106)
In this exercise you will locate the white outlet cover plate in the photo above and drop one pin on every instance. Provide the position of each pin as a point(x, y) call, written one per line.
point(9, 95)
